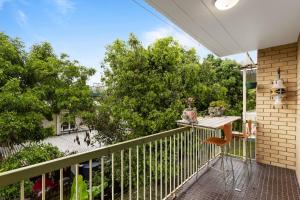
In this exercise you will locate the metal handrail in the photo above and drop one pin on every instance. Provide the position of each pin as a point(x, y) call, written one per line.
point(16, 175)
point(165, 161)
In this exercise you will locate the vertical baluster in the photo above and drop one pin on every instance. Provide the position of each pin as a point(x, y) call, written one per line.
point(220, 135)
point(239, 146)
point(76, 181)
point(205, 147)
point(144, 170)
point(112, 176)
point(192, 150)
point(210, 146)
point(161, 169)
point(22, 191)
point(196, 149)
point(199, 148)
point(234, 145)
point(250, 146)
point(188, 153)
point(174, 161)
point(181, 163)
point(166, 167)
point(43, 187)
point(122, 174)
point(170, 163)
point(130, 184)
point(155, 169)
point(137, 172)
point(178, 160)
point(192, 153)
point(150, 173)
point(102, 178)
point(202, 147)
point(215, 145)
point(61, 184)
point(184, 156)
point(90, 179)
point(254, 144)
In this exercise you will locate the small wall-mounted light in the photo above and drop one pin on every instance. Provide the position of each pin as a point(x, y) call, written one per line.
point(225, 4)
point(278, 91)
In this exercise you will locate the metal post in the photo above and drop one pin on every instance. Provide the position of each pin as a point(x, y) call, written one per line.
point(244, 108)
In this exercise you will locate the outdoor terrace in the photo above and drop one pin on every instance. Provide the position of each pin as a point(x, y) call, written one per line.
point(171, 164)
point(265, 182)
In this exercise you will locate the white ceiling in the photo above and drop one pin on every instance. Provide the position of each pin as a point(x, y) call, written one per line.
point(250, 25)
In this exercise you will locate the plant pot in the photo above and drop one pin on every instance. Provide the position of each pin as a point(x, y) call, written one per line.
point(216, 111)
point(189, 115)
point(251, 85)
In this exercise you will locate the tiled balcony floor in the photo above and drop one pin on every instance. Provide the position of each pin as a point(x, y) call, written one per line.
point(266, 182)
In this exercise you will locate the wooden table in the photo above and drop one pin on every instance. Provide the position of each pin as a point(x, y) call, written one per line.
point(210, 122)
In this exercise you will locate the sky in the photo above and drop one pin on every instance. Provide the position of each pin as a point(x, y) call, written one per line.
point(83, 28)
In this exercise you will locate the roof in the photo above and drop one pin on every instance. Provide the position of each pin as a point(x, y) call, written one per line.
point(65, 143)
point(250, 25)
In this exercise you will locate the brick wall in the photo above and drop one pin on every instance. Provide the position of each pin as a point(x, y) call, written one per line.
point(276, 133)
point(298, 115)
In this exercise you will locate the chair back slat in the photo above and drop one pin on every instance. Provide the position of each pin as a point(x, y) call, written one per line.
point(228, 132)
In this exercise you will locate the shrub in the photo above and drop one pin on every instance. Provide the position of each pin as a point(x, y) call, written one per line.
point(29, 155)
point(219, 103)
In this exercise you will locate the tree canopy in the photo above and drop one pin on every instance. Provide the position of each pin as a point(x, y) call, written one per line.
point(147, 87)
point(35, 85)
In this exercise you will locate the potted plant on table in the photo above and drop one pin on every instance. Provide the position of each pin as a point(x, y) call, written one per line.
point(217, 108)
point(190, 114)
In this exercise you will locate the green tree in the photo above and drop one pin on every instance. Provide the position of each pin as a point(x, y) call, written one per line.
point(35, 85)
point(227, 74)
point(147, 87)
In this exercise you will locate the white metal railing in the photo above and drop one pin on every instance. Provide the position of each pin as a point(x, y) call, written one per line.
point(237, 147)
point(150, 167)
point(240, 147)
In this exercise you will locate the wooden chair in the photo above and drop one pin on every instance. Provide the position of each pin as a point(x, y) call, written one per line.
point(222, 142)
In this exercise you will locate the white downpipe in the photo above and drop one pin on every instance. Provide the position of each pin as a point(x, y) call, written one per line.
point(244, 108)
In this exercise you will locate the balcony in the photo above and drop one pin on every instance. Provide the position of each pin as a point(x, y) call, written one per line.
point(265, 182)
point(169, 164)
